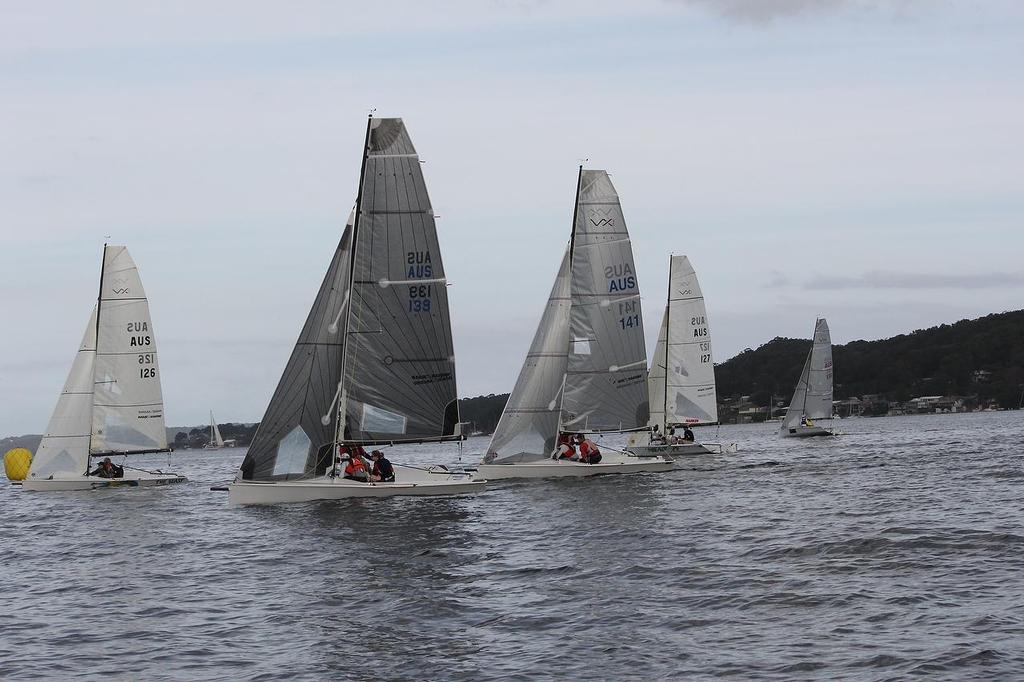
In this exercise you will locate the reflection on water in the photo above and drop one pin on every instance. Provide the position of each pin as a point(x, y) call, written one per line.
point(897, 548)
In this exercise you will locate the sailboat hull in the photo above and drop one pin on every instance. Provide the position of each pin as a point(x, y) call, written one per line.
point(683, 449)
point(409, 481)
point(130, 480)
point(805, 432)
point(549, 468)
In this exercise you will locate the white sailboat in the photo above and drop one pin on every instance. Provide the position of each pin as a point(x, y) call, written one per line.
point(216, 440)
point(810, 410)
point(374, 363)
point(681, 384)
point(586, 370)
point(112, 403)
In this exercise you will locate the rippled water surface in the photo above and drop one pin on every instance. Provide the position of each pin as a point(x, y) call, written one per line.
point(895, 549)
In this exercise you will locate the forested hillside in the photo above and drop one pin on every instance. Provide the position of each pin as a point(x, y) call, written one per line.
point(982, 357)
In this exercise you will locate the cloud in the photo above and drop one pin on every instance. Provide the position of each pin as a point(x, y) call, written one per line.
point(765, 11)
point(884, 279)
point(777, 281)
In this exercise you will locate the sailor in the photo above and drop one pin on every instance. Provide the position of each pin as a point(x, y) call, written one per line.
point(108, 469)
point(656, 436)
point(688, 435)
point(382, 470)
point(356, 469)
point(566, 448)
point(589, 452)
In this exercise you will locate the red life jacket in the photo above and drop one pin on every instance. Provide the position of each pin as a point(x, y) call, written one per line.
point(568, 453)
point(588, 448)
point(354, 466)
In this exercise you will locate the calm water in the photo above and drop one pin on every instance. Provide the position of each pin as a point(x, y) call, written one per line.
point(895, 550)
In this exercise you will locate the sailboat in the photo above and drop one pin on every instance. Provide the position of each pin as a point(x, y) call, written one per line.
point(586, 370)
point(681, 384)
point(112, 404)
point(810, 410)
point(216, 441)
point(374, 364)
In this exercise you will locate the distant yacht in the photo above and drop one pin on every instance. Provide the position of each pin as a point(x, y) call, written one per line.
point(810, 410)
point(112, 404)
point(216, 442)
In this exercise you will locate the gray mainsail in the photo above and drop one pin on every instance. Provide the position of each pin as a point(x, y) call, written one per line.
point(606, 377)
point(529, 423)
point(377, 344)
point(399, 379)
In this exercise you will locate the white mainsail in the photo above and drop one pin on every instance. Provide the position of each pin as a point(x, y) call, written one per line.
point(586, 369)
point(606, 376)
point(812, 398)
point(690, 373)
point(128, 406)
point(65, 444)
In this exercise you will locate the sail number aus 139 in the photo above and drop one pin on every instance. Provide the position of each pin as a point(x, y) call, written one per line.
point(420, 297)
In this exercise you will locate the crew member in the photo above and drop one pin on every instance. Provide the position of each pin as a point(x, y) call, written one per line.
point(589, 452)
point(382, 472)
point(107, 469)
point(688, 435)
point(356, 469)
point(566, 448)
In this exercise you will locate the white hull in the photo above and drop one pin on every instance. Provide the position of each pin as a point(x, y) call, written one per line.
point(805, 432)
point(409, 481)
point(682, 449)
point(131, 480)
point(549, 468)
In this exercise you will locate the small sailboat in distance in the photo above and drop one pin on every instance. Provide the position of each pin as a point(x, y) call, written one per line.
point(586, 370)
point(374, 363)
point(216, 440)
point(112, 403)
point(682, 378)
point(810, 410)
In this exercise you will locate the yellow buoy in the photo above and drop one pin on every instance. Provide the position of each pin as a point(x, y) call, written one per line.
point(17, 463)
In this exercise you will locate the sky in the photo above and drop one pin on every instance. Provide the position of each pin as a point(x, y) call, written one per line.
point(854, 159)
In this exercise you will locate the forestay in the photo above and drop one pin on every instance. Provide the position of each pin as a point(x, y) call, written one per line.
point(529, 423)
point(128, 406)
point(690, 375)
point(606, 375)
point(65, 444)
point(813, 395)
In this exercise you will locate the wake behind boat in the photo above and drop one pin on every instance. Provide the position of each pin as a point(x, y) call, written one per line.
point(681, 384)
point(810, 410)
point(374, 364)
point(586, 370)
point(112, 402)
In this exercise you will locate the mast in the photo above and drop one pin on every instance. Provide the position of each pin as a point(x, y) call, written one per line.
point(807, 381)
point(99, 302)
point(668, 322)
point(572, 246)
point(339, 427)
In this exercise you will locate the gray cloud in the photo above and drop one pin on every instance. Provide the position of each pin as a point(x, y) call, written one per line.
point(777, 280)
point(884, 279)
point(765, 11)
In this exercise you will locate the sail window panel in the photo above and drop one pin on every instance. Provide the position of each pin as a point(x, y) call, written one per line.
point(377, 419)
point(292, 453)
